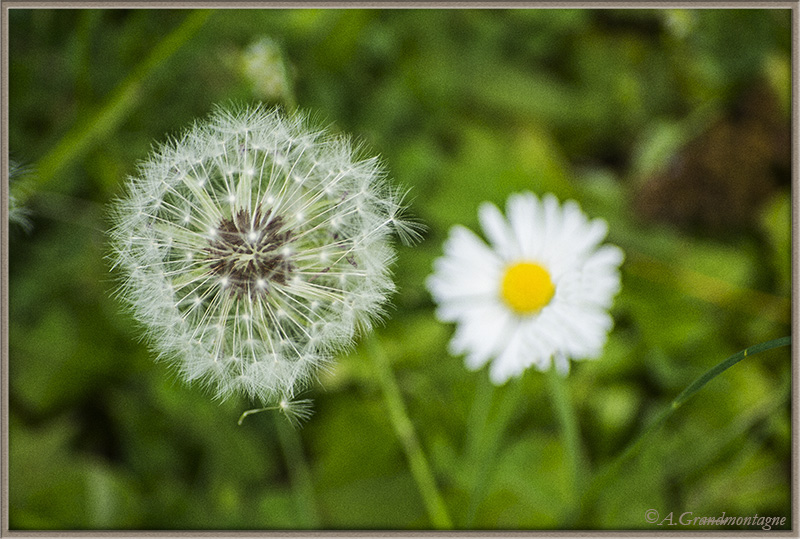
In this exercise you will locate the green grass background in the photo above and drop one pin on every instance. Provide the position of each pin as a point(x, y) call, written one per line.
point(641, 115)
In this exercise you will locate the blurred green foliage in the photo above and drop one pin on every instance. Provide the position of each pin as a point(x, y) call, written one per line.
point(604, 106)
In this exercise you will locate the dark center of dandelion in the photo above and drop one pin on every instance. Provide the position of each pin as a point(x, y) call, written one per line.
point(247, 252)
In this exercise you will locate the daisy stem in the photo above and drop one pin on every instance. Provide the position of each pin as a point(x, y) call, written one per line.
point(485, 436)
point(599, 482)
point(479, 446)
point(404, 429)
point(302, 484)
point(568, 420)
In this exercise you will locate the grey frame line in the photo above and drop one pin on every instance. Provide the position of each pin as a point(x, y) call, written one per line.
point(5, 5)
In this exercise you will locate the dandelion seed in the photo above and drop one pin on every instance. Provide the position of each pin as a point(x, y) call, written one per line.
point(240, 298)
point(296, 412)
point(17, 173)
point(538, 295)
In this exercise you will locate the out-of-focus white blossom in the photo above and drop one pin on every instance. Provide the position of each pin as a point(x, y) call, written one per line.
point(538, 295)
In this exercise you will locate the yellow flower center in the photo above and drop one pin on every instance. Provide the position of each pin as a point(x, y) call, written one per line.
point(527, 287)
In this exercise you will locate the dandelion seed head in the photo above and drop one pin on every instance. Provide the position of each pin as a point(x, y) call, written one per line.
point(252, 249)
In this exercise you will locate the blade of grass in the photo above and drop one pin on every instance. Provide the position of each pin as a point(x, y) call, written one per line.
point(404, 429)
point(613, 469)
point(709, 289)
point(697, 461)
point(698, 384)
point(119, 104)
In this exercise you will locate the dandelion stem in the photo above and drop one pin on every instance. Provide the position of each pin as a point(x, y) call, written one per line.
point(302, 484)
point(404, 429)
point(121, 101)
point(299, 472)
point(568, 420)
point(613, 469)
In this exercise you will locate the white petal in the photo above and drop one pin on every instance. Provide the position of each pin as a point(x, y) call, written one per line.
point(562, 364)
point(551, 227)
point(580, 244)
point(466, 249)
point(469, 270)
point(510, 362)
point(540, 342)
point(496, 228)
point(586, 330)
point(609, 256)
point(600, 276)
point(524, 215)
point(489, 337)
point(455, 279)
point(481, 333)
point(571, 250)
point(570, 287)
point(573, 220)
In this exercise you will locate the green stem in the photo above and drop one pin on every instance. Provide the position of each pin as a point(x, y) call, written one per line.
point(568, 421)
point(254, 411)
point(119, 104)
point(302, 483)
point(404, 429)
point(613, 468)
point(479, 446)
point(479, 417)
point(482, 446)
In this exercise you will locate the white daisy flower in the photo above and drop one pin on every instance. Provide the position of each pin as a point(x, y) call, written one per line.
point(253, 248)
point(538, 295)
